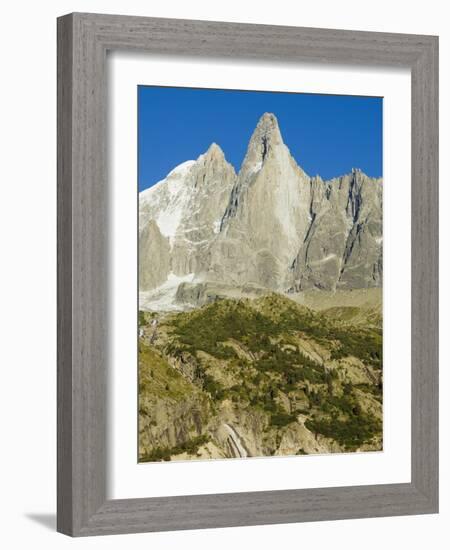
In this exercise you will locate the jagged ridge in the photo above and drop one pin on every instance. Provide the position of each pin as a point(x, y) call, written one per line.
point(271, 225)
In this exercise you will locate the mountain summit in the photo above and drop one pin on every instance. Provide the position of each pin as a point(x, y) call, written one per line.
point(270, 226)
point(265, 143)
point(266, 137)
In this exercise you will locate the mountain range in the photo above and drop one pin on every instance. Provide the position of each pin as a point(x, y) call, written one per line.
point(207, 231)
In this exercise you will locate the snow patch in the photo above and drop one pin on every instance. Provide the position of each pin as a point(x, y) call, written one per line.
point(162, 298)
point(182, 168)
point(147, 194)
point(168, 199)
point(256, 167)
point(173, 181)
point(175, 280)
point(168, 222)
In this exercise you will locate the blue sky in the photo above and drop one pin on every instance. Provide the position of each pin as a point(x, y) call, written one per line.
point(327, 134)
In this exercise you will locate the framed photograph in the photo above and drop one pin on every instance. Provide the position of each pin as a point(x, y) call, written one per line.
point(247, 274)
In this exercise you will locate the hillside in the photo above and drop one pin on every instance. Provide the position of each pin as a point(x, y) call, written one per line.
point(259, 377)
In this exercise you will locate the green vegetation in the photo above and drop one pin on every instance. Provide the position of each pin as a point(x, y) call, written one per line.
point(373, 389)
point(190, 447)
point(367, 345)
point(281, 419)
point(158, 378)
point(269, 359)
point(143, 319)
point(345, 422)
point(208, 328)
point(351, 432)
point(214, 388)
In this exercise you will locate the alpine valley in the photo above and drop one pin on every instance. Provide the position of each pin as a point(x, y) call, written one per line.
point(260, 311)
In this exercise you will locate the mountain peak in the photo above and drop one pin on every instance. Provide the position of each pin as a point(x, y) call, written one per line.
point(214, 150)
point(265, 139)
point(181, 169)
point(267, 132)
point(266, 136)
point(268, 123)
point(213, 159)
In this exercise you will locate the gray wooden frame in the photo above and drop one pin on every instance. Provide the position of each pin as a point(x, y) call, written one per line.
point(83, 40)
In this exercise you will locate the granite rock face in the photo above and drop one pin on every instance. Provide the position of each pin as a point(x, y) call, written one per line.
point(187, 207)
point(267, 216)
point(271, 225)
point(343, 246)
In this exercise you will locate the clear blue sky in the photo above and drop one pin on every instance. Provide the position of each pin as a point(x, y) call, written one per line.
point(327, 134)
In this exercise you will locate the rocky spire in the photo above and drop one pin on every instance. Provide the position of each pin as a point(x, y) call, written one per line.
point(214, 151)
point(270, 225)
point(267, 134)
point(213, 164)
point(265, 139)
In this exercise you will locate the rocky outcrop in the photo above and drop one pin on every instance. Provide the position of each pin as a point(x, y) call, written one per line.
point(343, 247)
point(267, 216)
point(257, 377)
point(168, 423)
point(198, 294)
point(271, 225)
point(187, 207)
point(154, 256)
